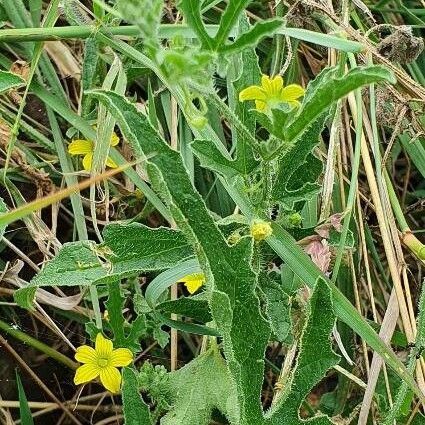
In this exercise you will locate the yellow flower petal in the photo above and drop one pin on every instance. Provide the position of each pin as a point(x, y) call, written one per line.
point(252, 93)
point(86, 354)
point(260, 106)
point(192, 287)
point(86, 373)
point(111, 163)
point(276, 84)
point(80, 147)
point(114, 139)
point(121, 357)
point(193, 282)
point(291, 93)
point(88, 161)
point(103, 346)
point(111, 379)
point(266, 84)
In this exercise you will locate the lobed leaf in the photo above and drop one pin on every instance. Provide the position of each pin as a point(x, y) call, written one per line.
point(329, 87)
point(315, 358)
point(200, 387)
point(231, 281)
point(298, 170)
point(128, 250)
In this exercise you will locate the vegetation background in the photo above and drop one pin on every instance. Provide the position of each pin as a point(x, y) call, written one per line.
point(335, 183)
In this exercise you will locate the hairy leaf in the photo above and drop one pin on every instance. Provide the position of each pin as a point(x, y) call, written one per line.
point(136, 412)
point(115, 306)
point(195, 307)
point(128, 250)
point(231, 281)
point(315, 358)
point(298, 170)
point(125, 334)
point(200, 387)
point(326, 89)
point(277, 307)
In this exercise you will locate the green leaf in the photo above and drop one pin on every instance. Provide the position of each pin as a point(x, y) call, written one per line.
point(192, 12)
point(115, 306)
point(128, 250)
point(315, 358)
point(9, 81)
point(3, 209)
point(161, 337)
point(228, 21)
point(195, 307)
point(164, 280)
point(230, 278)
point(250, 74)
point(211, 158)
point(252, 37)
point(278, 309)
point(136, 248)
point(326, 89)
point(298, 261)
point(24, 409)
point(326, 40)
point(136, 412)
point(200, 387)
point(298, 170)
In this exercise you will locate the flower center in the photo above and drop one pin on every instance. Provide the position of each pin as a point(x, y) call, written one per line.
point(102, 362)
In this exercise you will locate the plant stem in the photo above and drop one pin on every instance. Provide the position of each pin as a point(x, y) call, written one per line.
point(51, 352)
point(87, 31)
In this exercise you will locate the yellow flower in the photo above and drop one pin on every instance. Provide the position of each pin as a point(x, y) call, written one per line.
point(260, 230)
point(193, 281)
point(271, 93)
point(86, 148)
point(102, 361)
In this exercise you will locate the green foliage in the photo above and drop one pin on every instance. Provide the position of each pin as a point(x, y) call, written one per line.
point(326, 89)
point(277, 307)
point(192, 13)
point(315, 358)
point(228, 21)
point(253, 36)
point(10, 81)
point(127, 250)
point(136, 411)
point(125, 334)
point(250, 38)
point(195, 307)
point(200, 387)
point(299, 169)
point(24, 409)
point(268, 166)
point(230, 279)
